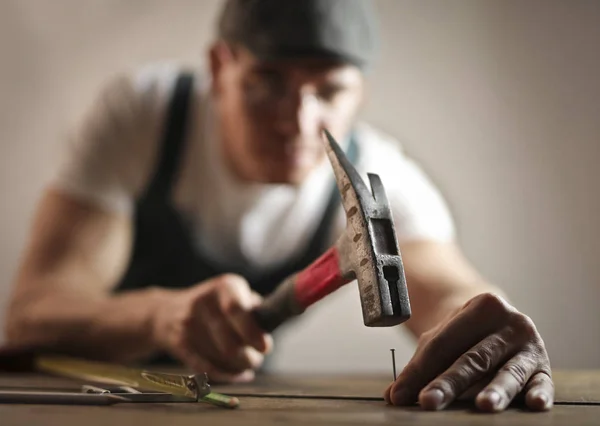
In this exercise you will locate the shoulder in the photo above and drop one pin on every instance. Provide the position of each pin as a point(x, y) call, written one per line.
point(113, 148)
point(130, 106)
point(152, 84)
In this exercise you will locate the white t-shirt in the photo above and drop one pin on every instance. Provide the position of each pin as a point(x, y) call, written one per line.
point(114, 152)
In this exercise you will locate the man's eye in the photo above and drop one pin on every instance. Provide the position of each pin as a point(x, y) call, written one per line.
point(328, 93)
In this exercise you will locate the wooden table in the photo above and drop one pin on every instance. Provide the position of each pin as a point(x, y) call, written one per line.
point(302, 400)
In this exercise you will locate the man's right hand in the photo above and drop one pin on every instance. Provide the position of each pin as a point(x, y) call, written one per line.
point(210, 328)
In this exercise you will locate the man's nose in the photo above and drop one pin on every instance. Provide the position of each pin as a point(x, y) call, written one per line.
point(301, 115)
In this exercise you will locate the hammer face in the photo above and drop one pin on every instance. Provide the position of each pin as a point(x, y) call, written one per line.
point(389, 271)
point(369, 247)
point(380, 275)
point(387, 263)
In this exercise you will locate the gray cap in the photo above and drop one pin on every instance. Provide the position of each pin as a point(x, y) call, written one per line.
point(343, 30)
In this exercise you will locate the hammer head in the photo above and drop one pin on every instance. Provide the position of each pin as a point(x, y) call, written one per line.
point(369, 247)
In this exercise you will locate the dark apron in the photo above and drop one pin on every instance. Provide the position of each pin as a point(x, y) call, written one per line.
point(164, 252)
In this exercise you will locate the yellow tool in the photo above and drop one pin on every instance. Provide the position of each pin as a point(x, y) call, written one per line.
point(132, 384)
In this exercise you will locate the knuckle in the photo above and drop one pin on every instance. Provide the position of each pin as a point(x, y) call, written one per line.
point(233, 282)
point(478, 361)
point(223, 339)
point(208, 296)
point(542, 378)
point(492, 303)
point(524, 325)
point(450, 384)
point(545, 379)
point(518, 371)
point(539, 357)
point(232, 308)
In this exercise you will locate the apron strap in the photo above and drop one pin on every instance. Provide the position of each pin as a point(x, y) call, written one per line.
point(173, 139)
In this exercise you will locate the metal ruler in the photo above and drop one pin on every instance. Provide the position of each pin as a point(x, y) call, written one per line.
point(135, 385)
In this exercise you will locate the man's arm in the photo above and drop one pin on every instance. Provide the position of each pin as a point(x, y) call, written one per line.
point(62, 300)
point(80, 245)
point(61, 296)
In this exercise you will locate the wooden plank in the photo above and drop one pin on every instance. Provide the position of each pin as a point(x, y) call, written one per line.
point(578, 386)
point(259, 411)
point(571, 386)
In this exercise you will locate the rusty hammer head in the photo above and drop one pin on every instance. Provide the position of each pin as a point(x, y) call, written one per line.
point(368, 249)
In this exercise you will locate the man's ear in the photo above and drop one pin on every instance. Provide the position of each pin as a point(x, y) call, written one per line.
point(220, 55)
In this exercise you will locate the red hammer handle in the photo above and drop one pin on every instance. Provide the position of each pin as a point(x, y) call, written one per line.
point(319, 279)
point(301, 290)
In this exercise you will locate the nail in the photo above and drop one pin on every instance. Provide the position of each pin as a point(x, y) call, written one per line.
point(432, 399)
point(394, 362)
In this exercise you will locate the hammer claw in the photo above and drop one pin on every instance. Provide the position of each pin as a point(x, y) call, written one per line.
point(373, 255)
point(346, 175)
point(378, 191)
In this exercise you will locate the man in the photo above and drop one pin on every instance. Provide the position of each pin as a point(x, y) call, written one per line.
point(185, 200)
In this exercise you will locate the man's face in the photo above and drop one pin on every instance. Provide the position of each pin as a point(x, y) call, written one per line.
point(271, 114)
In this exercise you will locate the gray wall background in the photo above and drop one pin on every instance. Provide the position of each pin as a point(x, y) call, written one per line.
point(499, 100)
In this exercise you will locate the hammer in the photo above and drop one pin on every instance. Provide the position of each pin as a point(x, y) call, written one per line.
point(367, 251)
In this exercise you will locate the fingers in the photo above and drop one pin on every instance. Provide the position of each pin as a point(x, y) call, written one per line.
point(238, 311)
point(507, 383)
point(243, 377)
point(468, 370)
point(200, 354)
point(209, 327)
point(217, 330)
point(216, 339)
point(481, 317)
point(387, 396)
point(486, 342)
point(539, 392)
point(225, 332)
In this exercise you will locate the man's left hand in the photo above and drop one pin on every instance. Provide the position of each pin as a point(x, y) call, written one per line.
point(485, 343)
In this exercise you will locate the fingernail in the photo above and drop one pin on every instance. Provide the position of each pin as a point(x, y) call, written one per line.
point(401, 397)
point(543, 398)
point(542, 401)
point(432, 399)
point(495, 400)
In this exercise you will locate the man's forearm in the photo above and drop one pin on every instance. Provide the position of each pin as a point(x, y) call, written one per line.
point(117, 328)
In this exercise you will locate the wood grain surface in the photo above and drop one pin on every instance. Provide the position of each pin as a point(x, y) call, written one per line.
point(572, 387)
point(302, 400)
